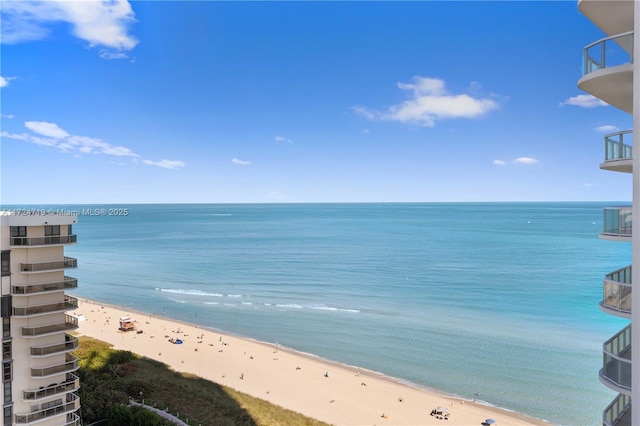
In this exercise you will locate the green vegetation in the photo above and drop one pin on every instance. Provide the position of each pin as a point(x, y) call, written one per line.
point(110, 378)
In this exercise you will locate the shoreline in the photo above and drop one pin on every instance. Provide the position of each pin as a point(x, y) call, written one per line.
point(320, 388)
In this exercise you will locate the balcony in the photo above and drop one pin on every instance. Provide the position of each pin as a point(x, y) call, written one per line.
point(70, 344)
point(71, 383)
point(50, 409)
point(608, 70)
point(70, 323)
point(30, 289)
point(611, 16)
point(42, 241)
point(617, 152)
point(618, 413)
point(70, 364)
point(50, 308)
point(73, 420)
point(616, 299)
point(616, 369)
point(616, 225)
point(68, 262)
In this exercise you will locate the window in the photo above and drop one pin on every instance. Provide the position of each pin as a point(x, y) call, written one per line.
point(69, 230)
point(6, 350)
point(6, 327)
point(5, 306)
point(18, 231)
point(50, 230)
point(6, 371)
point(8, 414)
point(7, 392)
point(6, 263)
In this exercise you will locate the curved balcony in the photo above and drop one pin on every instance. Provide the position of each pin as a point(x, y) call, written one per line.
point(70, 384)
point(70, 344)
point(70, 365)
point(618, 413)
point(73, 420)
point(611, 16)
point(618, 149)
point(16, 242)
point(70, 323)
point(50, 409)
point(68, 262)
point(616, 369)
point(616, 298)
point(49, 308)
point(607, 70)
point(31, 289)
point(616, 224)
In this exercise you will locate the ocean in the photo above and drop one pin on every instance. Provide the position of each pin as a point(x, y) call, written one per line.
point(492, 301)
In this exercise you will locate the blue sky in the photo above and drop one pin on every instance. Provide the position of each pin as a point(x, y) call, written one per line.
point(142, 102)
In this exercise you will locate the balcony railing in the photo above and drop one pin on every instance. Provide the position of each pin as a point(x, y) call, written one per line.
point(608, 52)
point(21, 290)
point(68, 262)
point(70, 344)
point(71, 364)
point(618, 413)
point(616, 368)
point(50, 409)
point(617, 221)
point(615, 148)
point(42, 241)
point(68, 304)
point(73, 420)
point(617, 290)
point(70, 323)
point(71, 383)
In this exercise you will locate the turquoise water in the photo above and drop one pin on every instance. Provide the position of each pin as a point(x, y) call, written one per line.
point(495, 298)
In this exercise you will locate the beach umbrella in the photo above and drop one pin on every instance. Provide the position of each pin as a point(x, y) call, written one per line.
point(489, 421)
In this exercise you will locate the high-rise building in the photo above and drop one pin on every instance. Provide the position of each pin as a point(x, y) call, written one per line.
point(38, 384)
point(608, 71)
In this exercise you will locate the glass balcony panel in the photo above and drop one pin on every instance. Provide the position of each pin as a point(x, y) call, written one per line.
point(616, 366)
point(67, 284)
point(68, 304)
point(71, 383)
point(618, 413)
point(608, 52)
point(71, 364)
point(617, 221)
point(42, 241)
point(68, 262)
point(50, 409)
point(618, 146)
point(70, 344)
point(617, 290)
point(70, 323)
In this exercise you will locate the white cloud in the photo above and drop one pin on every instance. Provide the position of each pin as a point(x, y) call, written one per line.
point(588, 185)
point(584, 101)
point(240, 162)
point(606, 129)
point(499, 163)
point(525, 160)
point(9, 116)
point(283, 139)
point(99, 22)
point(45, 128)
point(430, 103)
point(165, 164)
point(4, 81)
point(53, 136)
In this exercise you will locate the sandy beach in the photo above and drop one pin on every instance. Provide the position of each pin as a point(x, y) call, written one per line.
point(325, 390)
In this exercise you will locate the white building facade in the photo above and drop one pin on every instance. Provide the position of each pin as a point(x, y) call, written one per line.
point(39, 386)
point(608, 71)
